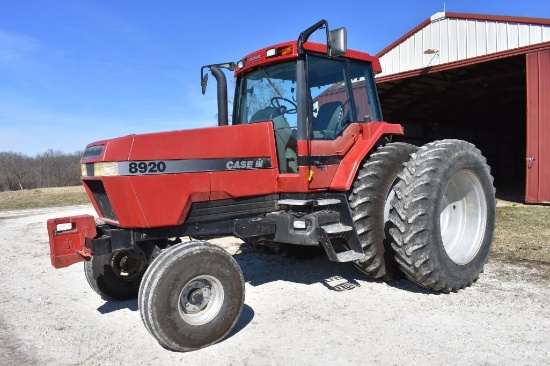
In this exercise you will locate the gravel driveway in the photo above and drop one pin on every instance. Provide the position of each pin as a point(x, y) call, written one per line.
point(297, 312)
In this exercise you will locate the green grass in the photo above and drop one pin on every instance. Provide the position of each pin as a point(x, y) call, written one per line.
point(523, 233)
point(45, 197)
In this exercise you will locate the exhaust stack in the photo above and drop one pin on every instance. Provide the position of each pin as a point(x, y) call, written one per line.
point(223, 118)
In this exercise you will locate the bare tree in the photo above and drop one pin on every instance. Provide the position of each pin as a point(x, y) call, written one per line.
point(49, 169)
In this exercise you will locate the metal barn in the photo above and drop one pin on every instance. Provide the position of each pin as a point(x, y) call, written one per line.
point(481, 78)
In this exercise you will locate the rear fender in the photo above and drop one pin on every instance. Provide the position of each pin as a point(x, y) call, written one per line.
point(68, 238)
point(372, 132)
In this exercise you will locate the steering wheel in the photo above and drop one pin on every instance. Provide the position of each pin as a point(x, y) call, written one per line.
point(276, 102)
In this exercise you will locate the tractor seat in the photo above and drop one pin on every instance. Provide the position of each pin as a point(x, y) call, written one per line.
point(284, 141)
point(328, 118)
point(266, 114)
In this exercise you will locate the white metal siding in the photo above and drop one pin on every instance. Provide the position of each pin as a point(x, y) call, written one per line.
point(459, 39)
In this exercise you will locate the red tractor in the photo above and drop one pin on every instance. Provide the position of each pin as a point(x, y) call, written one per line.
point(306, 161)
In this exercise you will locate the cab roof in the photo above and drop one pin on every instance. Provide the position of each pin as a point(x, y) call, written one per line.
point(289, 51)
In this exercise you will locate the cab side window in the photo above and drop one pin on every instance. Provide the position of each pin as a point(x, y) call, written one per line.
point(364, 92)
point(330, 97)
point(341, 92)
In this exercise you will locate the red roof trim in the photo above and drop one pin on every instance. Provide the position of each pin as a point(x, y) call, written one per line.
point(466, 62)
point(497, 18)
point(404, 37)
point(357, 55)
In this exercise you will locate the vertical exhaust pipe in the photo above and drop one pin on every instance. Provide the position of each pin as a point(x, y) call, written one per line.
point(222, 94)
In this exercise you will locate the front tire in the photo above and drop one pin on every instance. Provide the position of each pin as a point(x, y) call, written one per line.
point(115, 276)
point(191, 296)
point(443, 217)
point(370, 204)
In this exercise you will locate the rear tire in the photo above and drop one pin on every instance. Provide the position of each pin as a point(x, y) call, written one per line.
point(115, 276)
point(443, 217)
point(369, 201)
point(191, 296)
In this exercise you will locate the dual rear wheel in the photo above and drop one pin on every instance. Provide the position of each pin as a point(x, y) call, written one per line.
point(428, 213)
point(443, 216)
point(369, 200)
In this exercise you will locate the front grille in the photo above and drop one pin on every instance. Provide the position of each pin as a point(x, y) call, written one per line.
point(231, 208)
point(101, 199)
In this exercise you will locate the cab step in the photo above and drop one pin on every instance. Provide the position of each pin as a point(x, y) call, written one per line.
point(334, 224)
point(353, 254)
point(348, 256)
point(309, 202)
point(338, 228)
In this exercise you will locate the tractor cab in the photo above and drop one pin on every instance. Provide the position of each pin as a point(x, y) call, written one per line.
point(315, 95)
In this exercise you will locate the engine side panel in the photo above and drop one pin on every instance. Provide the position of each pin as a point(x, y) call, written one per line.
point(162, 174)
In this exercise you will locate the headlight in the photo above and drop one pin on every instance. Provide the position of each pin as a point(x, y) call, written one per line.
point(99, 169)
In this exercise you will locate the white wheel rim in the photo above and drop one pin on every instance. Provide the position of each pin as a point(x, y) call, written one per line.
point(200, 309)
point(387, 205)
point(463, 217)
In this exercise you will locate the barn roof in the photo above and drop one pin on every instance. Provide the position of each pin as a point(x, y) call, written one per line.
point(448, 40)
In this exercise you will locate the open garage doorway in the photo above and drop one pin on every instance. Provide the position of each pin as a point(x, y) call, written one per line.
point(483, 103)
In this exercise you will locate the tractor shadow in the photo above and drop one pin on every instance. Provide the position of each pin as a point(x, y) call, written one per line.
point(245, 318)
point(260, 267)
point(111, 306)
point(247, 314)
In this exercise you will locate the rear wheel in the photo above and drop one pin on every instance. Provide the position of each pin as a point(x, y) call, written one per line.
point(370, 204)
point(115, 276)
point(191, 296)
point(443, 220)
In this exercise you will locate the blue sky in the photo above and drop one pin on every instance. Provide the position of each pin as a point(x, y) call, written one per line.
point(73, 72)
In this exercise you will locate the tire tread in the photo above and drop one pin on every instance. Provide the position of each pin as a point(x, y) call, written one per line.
point(412, 217)
point(367, 199)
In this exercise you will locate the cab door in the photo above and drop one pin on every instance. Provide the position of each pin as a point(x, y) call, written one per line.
point(342, 96)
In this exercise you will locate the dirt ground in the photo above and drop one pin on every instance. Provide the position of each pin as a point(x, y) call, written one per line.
point(306, 312)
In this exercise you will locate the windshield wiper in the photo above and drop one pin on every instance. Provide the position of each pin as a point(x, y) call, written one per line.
point(269, 81)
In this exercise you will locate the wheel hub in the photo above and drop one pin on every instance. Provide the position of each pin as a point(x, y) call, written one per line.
point(126, 267)
point(463, 217)
point(195, 296)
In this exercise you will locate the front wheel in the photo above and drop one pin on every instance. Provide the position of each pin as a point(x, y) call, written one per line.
point(191, 296)
point(443, 217)
point(115, 276)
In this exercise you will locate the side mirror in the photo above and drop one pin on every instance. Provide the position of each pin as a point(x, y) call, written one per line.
point(204, 82)
point(338, 42)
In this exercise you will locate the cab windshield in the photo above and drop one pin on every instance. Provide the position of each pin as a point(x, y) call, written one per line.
point(268, 94)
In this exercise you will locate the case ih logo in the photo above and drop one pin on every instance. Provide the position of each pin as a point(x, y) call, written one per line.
point(186, 166)
point(254, 58)
point(248, 164)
